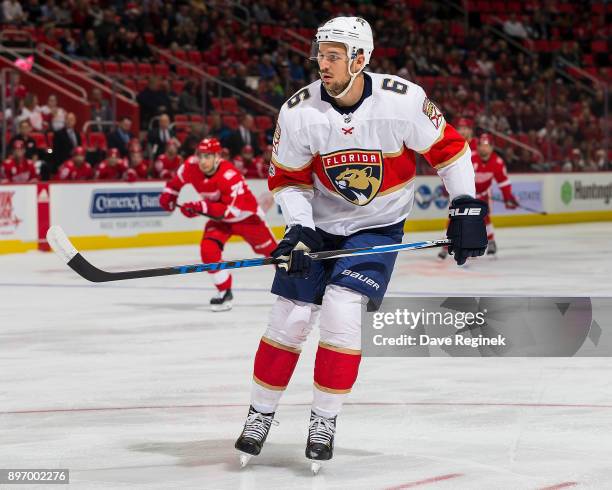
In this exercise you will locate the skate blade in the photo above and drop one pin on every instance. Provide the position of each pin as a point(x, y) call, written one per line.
point(223, 307)
point(244, 459)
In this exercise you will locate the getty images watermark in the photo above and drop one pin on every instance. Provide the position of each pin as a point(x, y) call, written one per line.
point(488, 326)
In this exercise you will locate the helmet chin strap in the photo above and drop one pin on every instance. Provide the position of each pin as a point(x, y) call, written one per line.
point(350, 84)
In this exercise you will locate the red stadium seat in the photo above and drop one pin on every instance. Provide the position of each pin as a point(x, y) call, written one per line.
point(161, 69)
point(213, 71)
point(183, 71)
point(111, 68)
point(216, 104)
point(263, 123)
point(141, 84)
point(599, 46)
point(196, 118)
point(182, 136)
point(97, 141)
point(128, 68)
point(178, 86)
point(95, 65)
point(41, 140)
point(231, 122)
point(181, 118)
point(145, 69)
point(194, 57)
point(181, 54)
point(230, 105)
point(50, 135)
point(149, 38)
point(131, 84)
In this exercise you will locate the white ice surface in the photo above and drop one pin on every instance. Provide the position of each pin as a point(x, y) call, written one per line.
point(136, 385)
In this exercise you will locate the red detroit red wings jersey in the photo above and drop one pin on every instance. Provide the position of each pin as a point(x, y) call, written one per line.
point(106, 171)
point(347, 171)
point(19, 171)
point(226, 191)
point(71, 171)
point(486, 171)
point(165, 168)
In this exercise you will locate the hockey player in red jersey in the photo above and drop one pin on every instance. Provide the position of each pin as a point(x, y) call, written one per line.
point(167, 164)
point(138, 167)
point(249, 164)
point(113, 168)
point(228, 201)
point(489, 166)
point(17, 168)
point(76, 168)
point(465, 127)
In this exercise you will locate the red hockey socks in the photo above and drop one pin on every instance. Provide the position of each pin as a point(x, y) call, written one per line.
point(274, 365)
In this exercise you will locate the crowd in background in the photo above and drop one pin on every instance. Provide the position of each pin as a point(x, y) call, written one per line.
point(467, 69)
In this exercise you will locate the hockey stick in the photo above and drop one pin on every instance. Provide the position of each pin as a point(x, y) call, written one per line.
point(526, 208)
point(61, 245)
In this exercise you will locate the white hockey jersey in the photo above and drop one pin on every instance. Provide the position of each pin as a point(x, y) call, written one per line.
point(348, 169)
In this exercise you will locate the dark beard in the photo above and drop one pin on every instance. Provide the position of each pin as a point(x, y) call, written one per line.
point(334, 90)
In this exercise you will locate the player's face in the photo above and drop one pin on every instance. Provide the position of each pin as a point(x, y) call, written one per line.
point(485, 151)
point(333, 67)
point(206, 162)
point(19, 154)
point(78, 159)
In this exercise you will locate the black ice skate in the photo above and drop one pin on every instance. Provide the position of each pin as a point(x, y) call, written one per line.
point(320, 444)
point(254, 434)
point(443, 253)
point(492, 248)
point(222, 301)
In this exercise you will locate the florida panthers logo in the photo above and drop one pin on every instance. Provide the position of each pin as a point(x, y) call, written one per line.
point(355, 174)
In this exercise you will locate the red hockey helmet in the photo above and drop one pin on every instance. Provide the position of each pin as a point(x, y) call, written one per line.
point(19, 145)
point(78, 151)
point(485, 139)
point(247, 149)
point(113, 153)
point(464, 121)
point(209, 145)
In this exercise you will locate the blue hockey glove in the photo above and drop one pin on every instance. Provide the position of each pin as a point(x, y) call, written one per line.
point(297, 240)
point(467, 228)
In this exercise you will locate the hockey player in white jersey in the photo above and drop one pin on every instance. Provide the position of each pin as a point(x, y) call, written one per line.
point(343, 171)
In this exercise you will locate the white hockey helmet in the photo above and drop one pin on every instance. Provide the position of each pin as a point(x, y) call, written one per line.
point(355, 33)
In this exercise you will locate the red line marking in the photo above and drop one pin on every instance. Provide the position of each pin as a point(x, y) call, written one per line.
point(433, 479)
point(561, 485)
point(361, 404)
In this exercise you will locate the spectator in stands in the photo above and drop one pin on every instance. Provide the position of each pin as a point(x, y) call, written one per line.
point(70, 46)
point(20, 91)
point(575, 162)
point(266, 69)
point(120, 138)
point(159, 137)
point(54, 116)
point(100, 110)
point(189, 100)
point(25, 129)
point(244, 135)
point(65, 141)
point(18, 168)
point(515, 28)
point(218, 129)
point(32, 112)
point(12, 12)
point(197, 134)
point(140, 50)
point(164, 35)
point(138, 167)
point(153, 100)
point(76, 168)
point(601, 161)
point(89, 47)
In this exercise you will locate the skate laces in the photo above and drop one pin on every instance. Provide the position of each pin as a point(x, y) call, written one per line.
point(257, 425)
point(321, 430)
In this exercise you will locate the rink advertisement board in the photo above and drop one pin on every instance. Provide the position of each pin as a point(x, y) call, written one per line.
point(18, 218)
point(488, 327)
point(120, 214)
